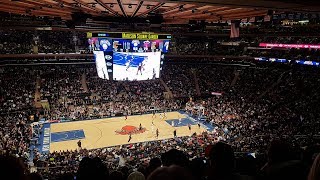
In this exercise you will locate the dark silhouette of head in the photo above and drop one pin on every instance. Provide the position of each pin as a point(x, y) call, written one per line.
point(170, 173)
point(153, 164)
point(221, 158)
point(279, 151)
point(116, 175)
point(174, 157)
point(34, 176)
point(12, 168)
point(92, 168)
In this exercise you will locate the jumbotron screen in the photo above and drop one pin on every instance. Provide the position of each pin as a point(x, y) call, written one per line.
point(128, 56)
point(136, 66)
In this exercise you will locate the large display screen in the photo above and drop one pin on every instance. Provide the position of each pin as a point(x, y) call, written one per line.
point(136, 66)
point(128, 56)
point(101, 64)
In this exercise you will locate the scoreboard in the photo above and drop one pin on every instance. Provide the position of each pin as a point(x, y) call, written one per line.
point(128, 35)
point(127, 55)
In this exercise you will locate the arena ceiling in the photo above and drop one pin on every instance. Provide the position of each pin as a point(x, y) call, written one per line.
point(172, 11)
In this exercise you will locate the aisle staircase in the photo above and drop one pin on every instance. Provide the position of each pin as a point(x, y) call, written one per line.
point(279, 80)
point(37, 95)
point(235, 78)
point(196, 82)
point(84, 82)
point(168, 93)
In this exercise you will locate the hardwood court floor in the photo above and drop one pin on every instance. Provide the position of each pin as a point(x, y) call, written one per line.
point(102, 132)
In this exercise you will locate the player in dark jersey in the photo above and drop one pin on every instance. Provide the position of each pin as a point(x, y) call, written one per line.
point(175, 133)
point(157, 133)
point(189, 126)
point(129, 138)
point(79, 143)
point(141, 67)
point(154, 73)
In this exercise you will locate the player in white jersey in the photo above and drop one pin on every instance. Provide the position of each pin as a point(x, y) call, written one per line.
point(172, 123)
point(180, 119)
point(161, 116)
point(152, 128)
point(128, 64)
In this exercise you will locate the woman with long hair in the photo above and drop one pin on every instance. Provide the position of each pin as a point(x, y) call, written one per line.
point(314, 173)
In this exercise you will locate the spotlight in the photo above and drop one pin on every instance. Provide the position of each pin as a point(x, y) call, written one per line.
point(129, 6)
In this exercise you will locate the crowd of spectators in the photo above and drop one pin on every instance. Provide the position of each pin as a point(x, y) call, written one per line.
point(262, 103)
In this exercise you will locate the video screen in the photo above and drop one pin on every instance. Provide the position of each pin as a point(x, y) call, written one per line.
point(126, 45)
point(101, 64)
point(136, 66)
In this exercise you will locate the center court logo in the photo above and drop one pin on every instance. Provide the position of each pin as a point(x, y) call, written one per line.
point(126, 130)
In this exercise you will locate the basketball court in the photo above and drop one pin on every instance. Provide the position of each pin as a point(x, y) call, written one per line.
point(115, 131)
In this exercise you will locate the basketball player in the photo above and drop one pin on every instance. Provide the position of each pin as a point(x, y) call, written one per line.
point(153, 114)
point(172, 123)
point(157, 133)
point(140, 127)
point(189, 126)
point(128, 63)
point(164, 114)
point(126, 116)
point(175, 133)
point(160, 115)
point(199, 125)
point(141, 66)
point(79, 144)
point(154, 74)
point(129, 138)
point(180, 119)
point(152, 128)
